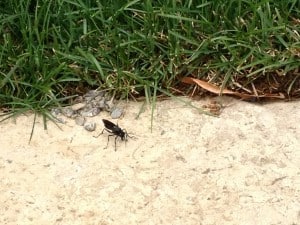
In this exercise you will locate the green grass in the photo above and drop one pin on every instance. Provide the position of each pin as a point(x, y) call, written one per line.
point(47, 48)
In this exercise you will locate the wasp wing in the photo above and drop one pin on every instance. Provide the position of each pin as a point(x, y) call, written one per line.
point(109, 125)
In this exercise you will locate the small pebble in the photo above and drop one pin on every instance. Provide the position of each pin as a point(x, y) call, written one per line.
point(92, 94)
point(80, 120)
point(60, 120)
point(78, 106)
point(109, 106)
point(68, 112)
point(100, 104)
point(116, 113)
point(88, 105)
point(90, 113)
point(99, 98)
point(90, 126)
point(88, 98)
point(55, 112)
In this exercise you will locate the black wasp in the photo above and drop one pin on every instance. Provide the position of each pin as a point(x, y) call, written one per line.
point(114, 130)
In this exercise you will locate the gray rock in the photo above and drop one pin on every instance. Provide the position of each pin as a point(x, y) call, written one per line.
point(88, 105)
point(80, 120)
point(99, 98)
point(90, 112)
point(92, 94)
point(68, 112)
point(78, 106)
point(109, 106)
point(60, 120)
point(55, 112)
point(90, 126)
point(101, 104)
point(116, 113)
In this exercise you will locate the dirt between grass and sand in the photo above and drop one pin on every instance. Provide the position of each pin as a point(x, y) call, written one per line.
point(242, 167)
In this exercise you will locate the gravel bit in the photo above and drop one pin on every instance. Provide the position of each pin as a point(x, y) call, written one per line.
point(80, 120)
point(78, 106)
point(68, 112)
point(56, 112)
point(109, 106)
point(90, 112)
point(116, 113)
point(98, 104)
point(60, 120)
point(90, 126)
point(99, 98)
point(92, 94)
point(88, 105)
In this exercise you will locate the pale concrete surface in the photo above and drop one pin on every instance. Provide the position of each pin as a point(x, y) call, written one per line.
point(240, 168)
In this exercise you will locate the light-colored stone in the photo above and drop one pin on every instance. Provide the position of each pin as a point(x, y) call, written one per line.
point(78, 106)
point(116, 113)
point(80, 120)
point(90, 112)
point(90, 126)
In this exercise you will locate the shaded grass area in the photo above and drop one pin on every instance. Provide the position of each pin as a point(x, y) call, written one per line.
point(51, 50)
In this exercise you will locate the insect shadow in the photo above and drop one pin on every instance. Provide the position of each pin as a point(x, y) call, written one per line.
point(114, 130)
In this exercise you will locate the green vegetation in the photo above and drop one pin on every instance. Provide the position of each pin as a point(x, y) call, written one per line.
point(51, 50)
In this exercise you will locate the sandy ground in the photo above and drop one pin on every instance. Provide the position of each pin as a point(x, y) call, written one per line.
point(242, 167)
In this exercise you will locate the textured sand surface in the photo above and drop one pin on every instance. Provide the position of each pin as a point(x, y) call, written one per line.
point(242, 167)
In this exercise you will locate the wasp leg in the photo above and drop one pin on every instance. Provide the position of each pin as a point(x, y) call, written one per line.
point(116, 143)
point(108, 140)
point(99, 134)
